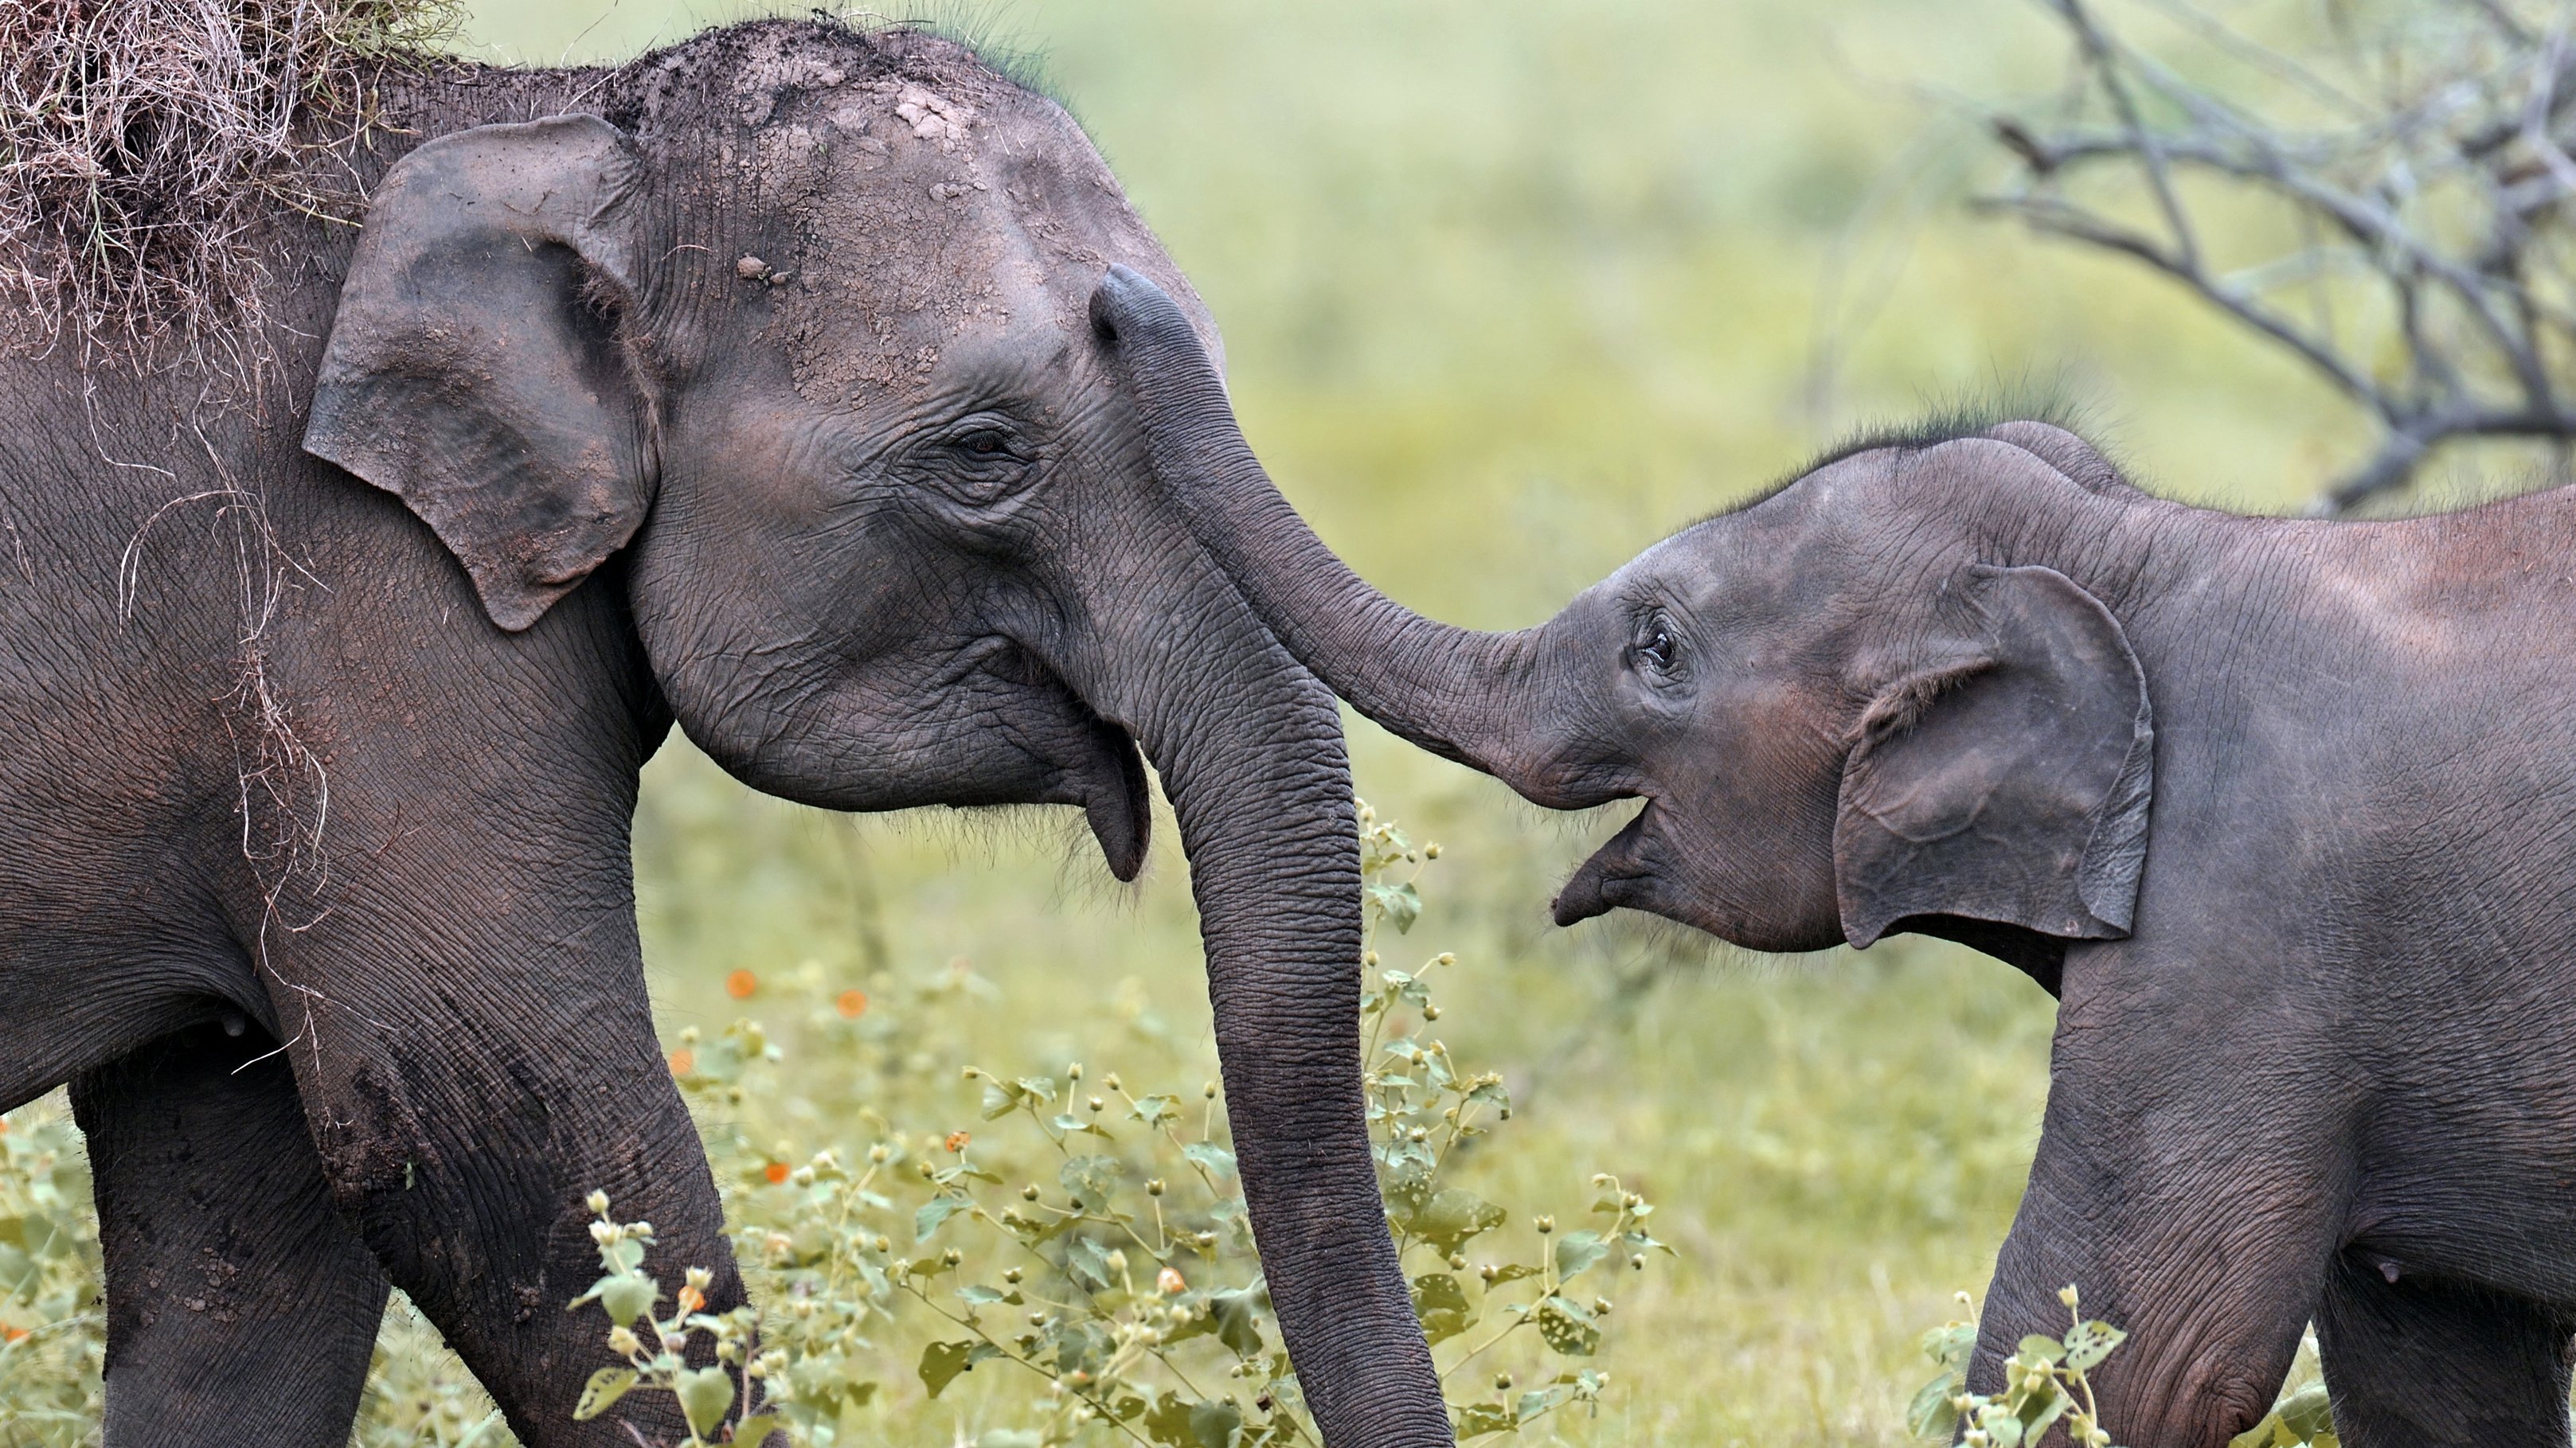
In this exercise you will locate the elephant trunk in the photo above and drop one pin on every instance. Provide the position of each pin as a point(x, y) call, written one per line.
point(1251, 756)
point(1449, 690)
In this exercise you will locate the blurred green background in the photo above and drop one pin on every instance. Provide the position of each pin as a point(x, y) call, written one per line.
point(1510, 288)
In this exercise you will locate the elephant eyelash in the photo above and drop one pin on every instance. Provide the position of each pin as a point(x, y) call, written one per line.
point(1657, 645)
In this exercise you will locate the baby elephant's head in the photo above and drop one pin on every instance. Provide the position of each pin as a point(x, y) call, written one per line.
point(1847, 714)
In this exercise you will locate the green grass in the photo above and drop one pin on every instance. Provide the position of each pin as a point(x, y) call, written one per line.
point(1509, 288)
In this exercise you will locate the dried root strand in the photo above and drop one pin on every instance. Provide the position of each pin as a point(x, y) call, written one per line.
point(143, 141)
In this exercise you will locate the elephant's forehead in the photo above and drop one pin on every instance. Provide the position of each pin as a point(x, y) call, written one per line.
point(929, 219)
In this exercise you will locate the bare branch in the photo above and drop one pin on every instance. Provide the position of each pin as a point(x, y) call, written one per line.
point(2445, 164)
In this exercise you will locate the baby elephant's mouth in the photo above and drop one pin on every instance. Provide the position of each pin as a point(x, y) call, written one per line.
point(1618, 874)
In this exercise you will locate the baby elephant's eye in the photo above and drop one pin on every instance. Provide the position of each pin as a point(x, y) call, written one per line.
point(1656, 648)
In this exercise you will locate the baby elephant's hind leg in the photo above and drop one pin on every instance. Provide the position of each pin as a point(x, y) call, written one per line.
point(2417, 1363)
point(241, 1307)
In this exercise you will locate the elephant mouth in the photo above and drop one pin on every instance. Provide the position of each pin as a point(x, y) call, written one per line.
point(1098, 765)
point(1617, 875)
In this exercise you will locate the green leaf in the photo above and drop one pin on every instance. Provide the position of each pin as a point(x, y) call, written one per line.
point(1951, 1346)
point(1154, 1110)
point(1539, 1402)
point(1453, 1216)
point(1930, 1414)
point(627, 1296)
point(1441, 1305)
point(705, 1394)
point(1578, 1252)
point(2038, 1349)
point(603, 1390)
point(1402, 904)
point(2307, 1413)
point(2087, 1343)
point(1475, 1420)
point(1215, 1160)
point(1216, 1424)
point(999, 1100)
point(1091, 1179)
point(1567, 1327)
point(1236, 1326)
point(935, 1211)
point(1087, 1263)
point(754, 1431)
point(941, 1362)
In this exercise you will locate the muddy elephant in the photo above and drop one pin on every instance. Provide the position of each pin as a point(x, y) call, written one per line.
point(747, 386)
point(2283, 811)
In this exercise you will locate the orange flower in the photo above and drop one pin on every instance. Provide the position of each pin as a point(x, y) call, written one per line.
point(853, 1003)
point(957, 1140)
point(683, 1061)
point(777, 1173)
point(691, 1299)
point(741, 983)
point(15, 1334)
point(1168, 1282)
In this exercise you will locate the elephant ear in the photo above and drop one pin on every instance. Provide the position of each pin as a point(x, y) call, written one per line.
point(2009, 782)
point(475, 368)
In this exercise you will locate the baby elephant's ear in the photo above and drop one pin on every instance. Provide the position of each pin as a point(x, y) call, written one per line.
point(475, 368)
point(2009, 782)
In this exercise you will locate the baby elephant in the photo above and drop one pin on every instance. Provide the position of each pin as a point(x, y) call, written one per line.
point(2283, 811)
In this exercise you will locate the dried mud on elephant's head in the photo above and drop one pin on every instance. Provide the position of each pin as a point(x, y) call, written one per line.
point(915, 195)
point(144, 142)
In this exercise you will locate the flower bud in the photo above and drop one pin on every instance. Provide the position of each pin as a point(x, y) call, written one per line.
point(1431, 1013)
point(1546, 1224)
point(952, 1256)
point(1208, 1091)
point(1029, 1193)
point(1073, 1072)
point(1502, 1382)
point(1099, 1105)
point(623, 1341)
point(2066, 1294)
point(597, 1201)
point(1154, 1188)
point(1112, 1082)
point(1431, 850)
point(603, 1232)
point(1601, 1306)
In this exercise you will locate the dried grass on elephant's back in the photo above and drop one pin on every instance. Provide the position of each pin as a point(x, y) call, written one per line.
point(140, 141)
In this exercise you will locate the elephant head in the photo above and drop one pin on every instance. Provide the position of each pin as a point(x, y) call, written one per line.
point(784, 336)
point(1845, 715)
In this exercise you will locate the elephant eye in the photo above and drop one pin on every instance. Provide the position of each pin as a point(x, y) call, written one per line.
point(978, 461)
point(1655, 647)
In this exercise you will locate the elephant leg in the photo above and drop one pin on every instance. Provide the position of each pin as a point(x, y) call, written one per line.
point(2422, 1363)
point(463, 1110)
point(241, 1306)
point(2192, 1189)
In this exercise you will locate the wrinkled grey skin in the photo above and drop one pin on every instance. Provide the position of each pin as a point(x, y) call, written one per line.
point(2285, 812)
point(326, 723)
